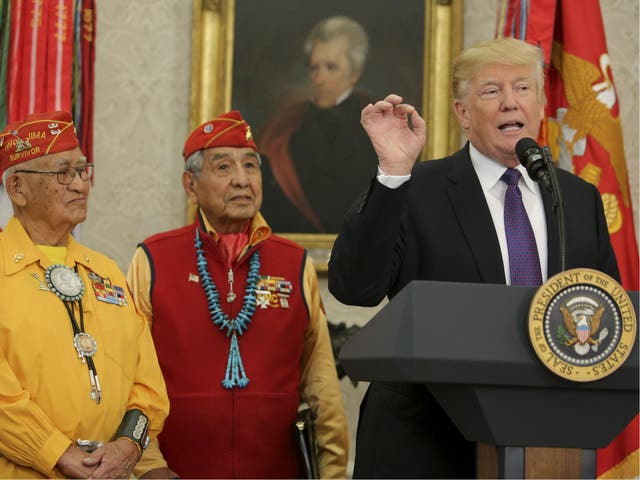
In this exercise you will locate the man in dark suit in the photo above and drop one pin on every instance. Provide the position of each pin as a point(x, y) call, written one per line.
point(444, 220)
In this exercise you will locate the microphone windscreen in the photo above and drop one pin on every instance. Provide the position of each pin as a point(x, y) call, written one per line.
point(525, 144)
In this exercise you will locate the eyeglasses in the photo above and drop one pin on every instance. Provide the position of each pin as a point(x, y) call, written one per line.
point(66, 176)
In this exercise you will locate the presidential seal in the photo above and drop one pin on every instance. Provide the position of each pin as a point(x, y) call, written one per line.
point(582, 325)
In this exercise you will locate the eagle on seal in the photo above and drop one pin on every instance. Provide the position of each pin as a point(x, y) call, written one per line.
point(582, 324)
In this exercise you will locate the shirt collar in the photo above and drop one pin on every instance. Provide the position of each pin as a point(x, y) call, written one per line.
point(489, 171)
point(258, 231)
point(21, 251)
point(343, 96)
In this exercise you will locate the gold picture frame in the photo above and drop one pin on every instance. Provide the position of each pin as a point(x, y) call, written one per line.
point(212, 69)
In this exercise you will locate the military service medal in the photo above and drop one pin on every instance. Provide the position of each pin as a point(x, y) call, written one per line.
point(106, 291)
point(273, 292)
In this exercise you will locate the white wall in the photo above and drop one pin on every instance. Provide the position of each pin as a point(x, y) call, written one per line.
point(143, 55)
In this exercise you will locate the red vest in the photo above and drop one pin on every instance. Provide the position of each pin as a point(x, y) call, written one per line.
point(212, 432)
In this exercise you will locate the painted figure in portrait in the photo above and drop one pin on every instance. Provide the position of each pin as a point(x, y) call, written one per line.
point(303, 80)
point(316, 150)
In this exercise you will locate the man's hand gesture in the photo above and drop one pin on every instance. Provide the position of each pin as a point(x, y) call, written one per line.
point(397, 145)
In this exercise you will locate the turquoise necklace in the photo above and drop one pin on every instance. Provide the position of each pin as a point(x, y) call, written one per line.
point(235, 375)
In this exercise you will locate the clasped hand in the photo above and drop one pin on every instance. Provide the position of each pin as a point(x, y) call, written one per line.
point(115, 459)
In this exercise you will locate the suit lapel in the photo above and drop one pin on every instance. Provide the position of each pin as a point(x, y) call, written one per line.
point(470, 207)
point(553, 236)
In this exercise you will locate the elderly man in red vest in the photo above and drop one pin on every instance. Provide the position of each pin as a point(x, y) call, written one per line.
point(80, 384)
point(238, 325)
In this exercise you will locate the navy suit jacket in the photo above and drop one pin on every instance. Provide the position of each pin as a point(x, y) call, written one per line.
point(437, 226)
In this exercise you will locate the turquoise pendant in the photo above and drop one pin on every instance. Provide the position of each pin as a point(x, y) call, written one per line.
point(235, 375)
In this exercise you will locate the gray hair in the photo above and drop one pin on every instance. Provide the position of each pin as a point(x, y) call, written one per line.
point(501, 51)
point(13, 168)
point(6, 173)
point(194, 163)
point(341, 26)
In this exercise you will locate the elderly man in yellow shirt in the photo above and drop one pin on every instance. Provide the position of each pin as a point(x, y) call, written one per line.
point(81, 388)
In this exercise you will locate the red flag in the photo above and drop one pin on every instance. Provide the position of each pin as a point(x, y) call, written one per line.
point(50, 61)
point(47, 52)
point(40, 57)
point(59, 55)
point(583, 129)
point(83, 105)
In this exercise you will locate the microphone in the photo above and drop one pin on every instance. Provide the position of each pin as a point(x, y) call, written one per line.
point(537, 161)
point(531, 157)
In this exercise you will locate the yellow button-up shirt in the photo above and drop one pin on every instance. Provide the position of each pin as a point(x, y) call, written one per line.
point(44, 387)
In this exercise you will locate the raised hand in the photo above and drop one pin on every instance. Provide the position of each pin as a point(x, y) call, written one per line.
point(397, 145)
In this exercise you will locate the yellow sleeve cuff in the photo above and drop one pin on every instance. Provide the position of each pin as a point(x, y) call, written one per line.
point(51, 452)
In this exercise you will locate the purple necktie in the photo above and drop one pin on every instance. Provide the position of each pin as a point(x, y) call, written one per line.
point(524, 263)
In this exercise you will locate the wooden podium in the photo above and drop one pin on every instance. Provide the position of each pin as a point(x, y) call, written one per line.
point(469, 344)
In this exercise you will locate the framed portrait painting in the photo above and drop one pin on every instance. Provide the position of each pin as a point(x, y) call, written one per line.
point(301, 72)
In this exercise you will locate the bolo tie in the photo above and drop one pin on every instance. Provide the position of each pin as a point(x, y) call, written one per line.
point(67, 285)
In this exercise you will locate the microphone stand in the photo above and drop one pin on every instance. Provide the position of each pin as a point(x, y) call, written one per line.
point(558, 207)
